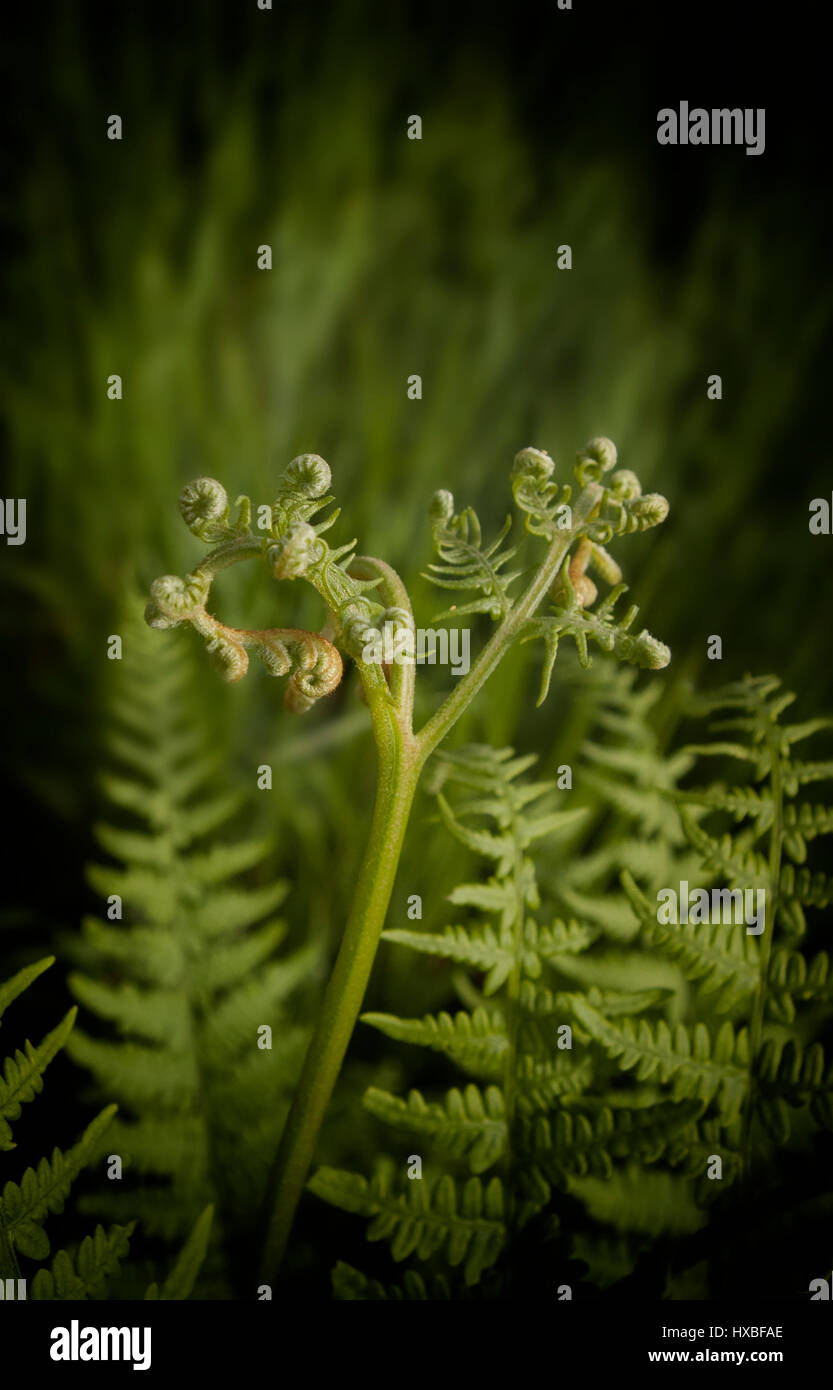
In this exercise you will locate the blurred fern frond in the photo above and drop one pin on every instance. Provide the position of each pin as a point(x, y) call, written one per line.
point(182, 966)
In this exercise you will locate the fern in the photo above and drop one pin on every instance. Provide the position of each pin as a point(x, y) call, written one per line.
point(464, 1220)
point(753, 832)
point(43, 1190)
point(641, 1102)
point(465, 563)
point(184, 982)
point(86, 1276)
point(625, 773)
point(738, 991)
point(769, 849)
point(294, 549)
point(535, 1117)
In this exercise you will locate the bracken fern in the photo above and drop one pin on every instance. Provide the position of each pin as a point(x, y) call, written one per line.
point(190, 974)
point(361, 593)
point(26, 1205)
point(530, 1117)
point(602, 1143)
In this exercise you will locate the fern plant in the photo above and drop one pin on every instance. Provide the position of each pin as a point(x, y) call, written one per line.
point(182, 969)
point(625, 773)
point(630, 1119)
point(765, 849)
point(533, 1113)
point(763, 999)
point(43, 1190)
point(362, 593)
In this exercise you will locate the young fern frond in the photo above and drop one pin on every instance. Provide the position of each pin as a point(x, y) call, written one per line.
point(622, 508)
point(188, 978)
point(361, 594)
point(466, 564)
point(617, 508)
point(293, 548)
point(571, 617)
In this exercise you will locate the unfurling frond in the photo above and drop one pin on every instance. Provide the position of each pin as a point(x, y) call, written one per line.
point(293, 548)
point(466, 564)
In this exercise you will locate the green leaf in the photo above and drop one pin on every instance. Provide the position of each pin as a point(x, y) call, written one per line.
point(471, 1123)
point(180, 1282)
point(477, 1041)
point(465, 1220)
point(695, 1064)
point(22, 1077)
point(98, 1259)
point(12, 988)
point(45, 1189)
point(466, 564)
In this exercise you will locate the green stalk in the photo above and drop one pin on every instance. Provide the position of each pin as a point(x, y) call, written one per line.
point(399, 770)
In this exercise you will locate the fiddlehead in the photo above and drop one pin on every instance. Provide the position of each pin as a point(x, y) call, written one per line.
point(294, 548)
point(578, 531)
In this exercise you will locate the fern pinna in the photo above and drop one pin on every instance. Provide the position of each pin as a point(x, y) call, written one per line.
point(25, 1205)
point(616, 742)
point(182, 964)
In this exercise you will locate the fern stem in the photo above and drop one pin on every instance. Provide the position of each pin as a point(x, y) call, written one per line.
point(399, 769)
point(403, 673)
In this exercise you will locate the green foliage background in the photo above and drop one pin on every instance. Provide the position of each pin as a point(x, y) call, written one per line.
point(390, 257)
